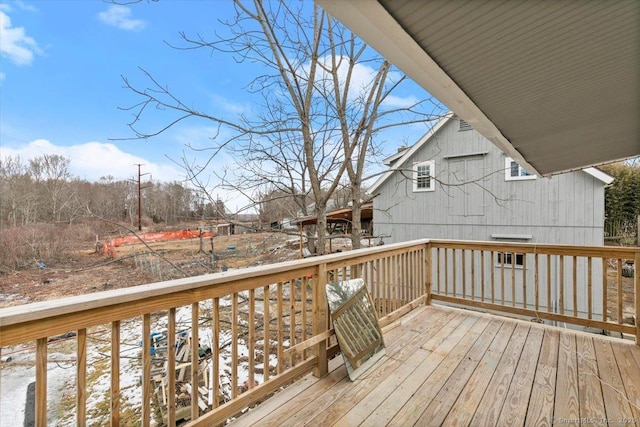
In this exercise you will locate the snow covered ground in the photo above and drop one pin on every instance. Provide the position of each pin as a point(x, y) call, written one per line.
point(19, 372)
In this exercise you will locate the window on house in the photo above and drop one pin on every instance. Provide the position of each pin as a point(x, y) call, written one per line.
point(423, 174)
point(514, 172)
point(508, 259)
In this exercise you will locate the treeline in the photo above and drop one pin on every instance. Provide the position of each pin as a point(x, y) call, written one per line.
point(43, 190)
point(622, 199)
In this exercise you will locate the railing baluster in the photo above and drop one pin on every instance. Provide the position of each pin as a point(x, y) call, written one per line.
point(482, 273)
point(251, 337)
point(388, 284)
point(267, 332)
point(212, 385)
point(438, 269)
point(41, 383)
point(234, 345)
point(378, 288)
point(396, 271)
point(463, 261)
point(513, 279)
point(81, 378)
point(215, 355)
point(502, 255)
point(589, 288)
point(605, 285)
point(473, 274)
point(536, 282)
point(395, 295)
point(446, 271)
point(385, 285)
point(146, 369)
point(115, 373)
point(292, 319)
point(427, 275)
point(195, 315)
point(280, 320)
point(493, 278)
point(454, 271)
point(561, 299)
point(171, 367)
point(619, 283)
point(575, 286)
point(303, 308)
point(524, 280)
point(549, 302)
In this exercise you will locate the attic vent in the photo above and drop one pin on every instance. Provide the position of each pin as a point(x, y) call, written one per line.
point(464, 126)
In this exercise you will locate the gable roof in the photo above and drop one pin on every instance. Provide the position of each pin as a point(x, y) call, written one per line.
point(407, 154)
point(554, 84)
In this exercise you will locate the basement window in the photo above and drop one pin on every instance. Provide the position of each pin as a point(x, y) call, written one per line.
point(509, 259)
point(514, 172)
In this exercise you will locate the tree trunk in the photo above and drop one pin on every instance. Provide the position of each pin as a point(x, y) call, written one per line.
point(321, 229)
point(356, 218)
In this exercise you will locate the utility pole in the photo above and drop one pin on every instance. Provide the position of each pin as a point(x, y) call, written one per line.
point(140, 187)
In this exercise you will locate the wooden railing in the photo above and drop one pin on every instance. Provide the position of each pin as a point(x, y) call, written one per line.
point(210, 346)
point(576, 285)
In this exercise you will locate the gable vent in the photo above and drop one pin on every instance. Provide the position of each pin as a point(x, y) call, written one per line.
point(464, 126)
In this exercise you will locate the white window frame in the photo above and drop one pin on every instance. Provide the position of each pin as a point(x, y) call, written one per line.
point(432, 173)
point(522, 172)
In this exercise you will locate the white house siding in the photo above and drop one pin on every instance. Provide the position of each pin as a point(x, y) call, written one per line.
point(563, 209)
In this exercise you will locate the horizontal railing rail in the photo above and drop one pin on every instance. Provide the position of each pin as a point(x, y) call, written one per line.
point(578, 285)
point(209, 346)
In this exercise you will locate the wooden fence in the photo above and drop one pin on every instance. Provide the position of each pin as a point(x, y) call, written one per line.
point(267, 326)
point(576, 285)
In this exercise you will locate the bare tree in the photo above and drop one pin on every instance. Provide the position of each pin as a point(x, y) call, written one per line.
point(52, 174)
point(321, 105)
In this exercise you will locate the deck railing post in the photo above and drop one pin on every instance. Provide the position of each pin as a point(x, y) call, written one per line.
point(636, 269)
point(320, 317)
point(427, 272)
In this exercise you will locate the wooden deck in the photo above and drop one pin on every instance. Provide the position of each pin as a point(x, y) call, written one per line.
point(446, 366)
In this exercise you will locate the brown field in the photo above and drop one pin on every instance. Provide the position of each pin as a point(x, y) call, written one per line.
point(138, 264)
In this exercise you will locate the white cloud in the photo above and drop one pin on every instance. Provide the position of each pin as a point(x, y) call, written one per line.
point(120, 17)
point(393, 101)
point(14, 42)
point(24, 6)
point(93, 160)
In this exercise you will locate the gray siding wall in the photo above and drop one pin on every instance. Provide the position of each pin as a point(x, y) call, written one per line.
point(473, 201)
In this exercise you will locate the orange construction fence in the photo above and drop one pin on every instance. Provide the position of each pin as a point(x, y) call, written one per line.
point(109, 248)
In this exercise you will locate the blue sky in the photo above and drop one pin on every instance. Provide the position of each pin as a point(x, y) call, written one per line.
point(61, 63)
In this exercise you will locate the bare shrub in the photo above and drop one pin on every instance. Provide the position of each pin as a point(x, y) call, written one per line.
point(29, 246)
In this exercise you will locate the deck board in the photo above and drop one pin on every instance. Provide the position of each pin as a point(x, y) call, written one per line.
point(491, 404)
point(446, 397)
point(616, 405)
point(540, 411)
point(446, 366)
point(466, 404)
point(589, 384)
point(514, 410)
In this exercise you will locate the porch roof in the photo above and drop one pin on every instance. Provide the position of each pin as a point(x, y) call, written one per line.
point(555, 85)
